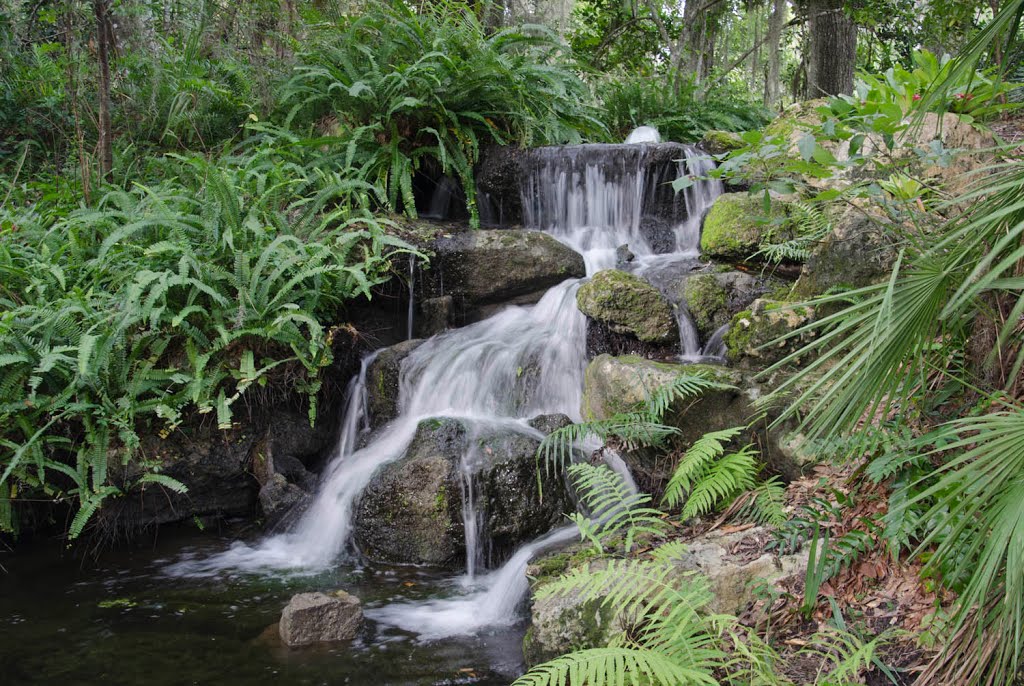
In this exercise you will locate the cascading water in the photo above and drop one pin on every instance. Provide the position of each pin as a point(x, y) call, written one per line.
point(593, 198)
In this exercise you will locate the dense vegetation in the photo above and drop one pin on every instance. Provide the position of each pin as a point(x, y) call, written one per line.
point(192, 193)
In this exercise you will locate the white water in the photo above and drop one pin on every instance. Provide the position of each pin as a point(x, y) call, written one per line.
point(476, 373)
point(643, 134)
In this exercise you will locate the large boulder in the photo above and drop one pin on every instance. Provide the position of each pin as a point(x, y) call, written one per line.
point(737, 224)
point(859, 251)
point(563, 623)
point(382, 381)
point(628, 305)
point(488, 267)
point(720, 142)
point(411, 511)
point(318, 617)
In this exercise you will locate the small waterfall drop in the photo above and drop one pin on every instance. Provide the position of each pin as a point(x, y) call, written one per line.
point(593, 198)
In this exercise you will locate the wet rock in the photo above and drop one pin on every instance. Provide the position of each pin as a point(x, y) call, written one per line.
point(627, 304)
point(478, 268)
point(549, 423)
point(737, 224)
point(713, 298)
point(435, 316)
point(498, 176)
point(317, 617)
point(411, 511)
point(753, 340)
point(623, 255)
point(278, 498)
point(382, 377)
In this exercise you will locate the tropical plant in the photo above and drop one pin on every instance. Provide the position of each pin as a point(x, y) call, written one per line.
point(402, 90)
point(164, 301)
point(878, 354)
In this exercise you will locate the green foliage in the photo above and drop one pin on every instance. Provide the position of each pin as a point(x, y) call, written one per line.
point(644, 426)
point(681, 117)
point(425, 89)
point(810, 225)
point(166, 300)
point(707, 477)
point(614, 509)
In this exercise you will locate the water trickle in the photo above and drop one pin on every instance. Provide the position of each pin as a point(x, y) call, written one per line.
point(412, 297)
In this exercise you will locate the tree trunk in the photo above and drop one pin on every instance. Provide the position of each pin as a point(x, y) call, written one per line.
point(104, 33)
point(832, 48)
point(773, 79)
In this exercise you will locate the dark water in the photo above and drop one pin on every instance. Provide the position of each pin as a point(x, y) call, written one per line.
point(119, 620)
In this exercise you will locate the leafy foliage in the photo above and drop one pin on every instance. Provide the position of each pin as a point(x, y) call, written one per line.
point(160, 301)
point(613, 508)
point(426, 89)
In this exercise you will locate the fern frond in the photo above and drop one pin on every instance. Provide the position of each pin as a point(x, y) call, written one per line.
point(695, 463)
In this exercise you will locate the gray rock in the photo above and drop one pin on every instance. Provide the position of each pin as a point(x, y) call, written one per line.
point(859, 251)
point(382, 378)
point(619, 384)
point(478, 268)
point(627, 304)
point(278, 499)
point(623, 255)
point(411, 511)
point(549, 423)
point(318, 617)
point(435, 316)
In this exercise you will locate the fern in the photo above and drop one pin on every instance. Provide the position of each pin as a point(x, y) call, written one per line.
point(695, 464)
point(614, 509)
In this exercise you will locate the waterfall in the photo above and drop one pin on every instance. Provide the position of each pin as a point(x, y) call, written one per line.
point(412, 297)
point(643, 134)
point(593, 198)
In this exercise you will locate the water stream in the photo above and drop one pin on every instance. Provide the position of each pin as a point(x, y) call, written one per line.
point(594, 199)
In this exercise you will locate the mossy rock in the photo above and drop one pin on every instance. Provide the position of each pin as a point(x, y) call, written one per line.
point(628, 305)
point(712, 298)
point(613, 385)
point(753, 340)
point(737, 225)
point(718, 142)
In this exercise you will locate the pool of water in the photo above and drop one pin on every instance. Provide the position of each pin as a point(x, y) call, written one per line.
point(120, 619)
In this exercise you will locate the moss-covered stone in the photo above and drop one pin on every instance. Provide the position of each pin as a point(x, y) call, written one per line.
point(753, 340)
point(706, 299)
point(737, 225)
point(628, 305)
point(718, 142)
point(619, 384)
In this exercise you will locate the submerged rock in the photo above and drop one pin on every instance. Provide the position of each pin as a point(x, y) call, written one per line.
point(411, 511)
point(627, 304)
point(737, 225)
point(317, 617)
point(382, 377)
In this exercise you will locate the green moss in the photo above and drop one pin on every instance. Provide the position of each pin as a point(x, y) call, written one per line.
point(717, 142)
point(736, 226)
point(441, 501)
point(628, 304)
point(706, 299)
